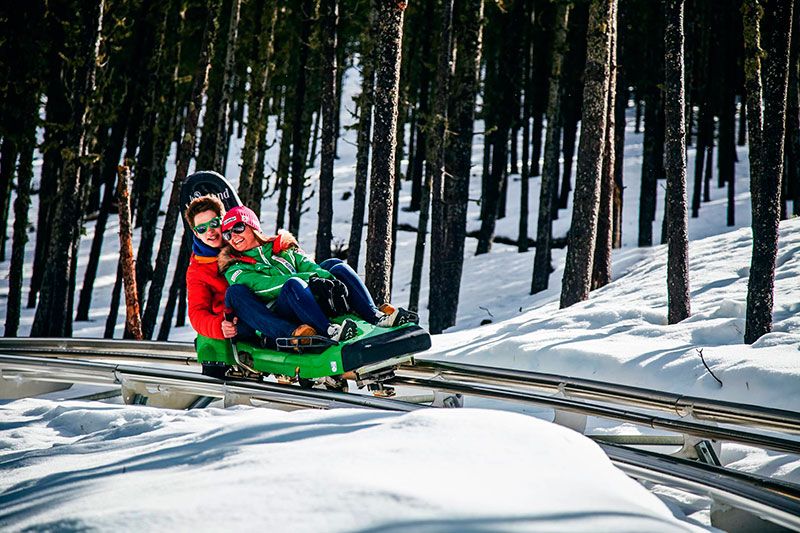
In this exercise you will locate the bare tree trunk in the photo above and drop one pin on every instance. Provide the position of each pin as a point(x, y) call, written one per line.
point(621, 105)
point(793, 119)
point(435, 170)
point(133, 321)
point(583, 229)
point(185, 152)
point(54, 314)
point(766, 155)
point(299, 121)
point(389, 35)
point(362, 154)
point(507, 82)
point(113, 307)
point(552, 149)
point(527, 84)
point(329, 12)
point(175, 288)
point(468, 34)
point(679, 306)
point(21, 205)
point(223, 114)
point(250, 189)
point(601, 268)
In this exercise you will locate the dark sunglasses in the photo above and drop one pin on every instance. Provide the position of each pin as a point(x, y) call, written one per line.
point(239, 227)
point(213, 223)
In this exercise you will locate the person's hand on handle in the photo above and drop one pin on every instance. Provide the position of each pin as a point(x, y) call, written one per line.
point(229, 324)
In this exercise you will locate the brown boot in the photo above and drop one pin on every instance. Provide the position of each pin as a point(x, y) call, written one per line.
point(303, 330)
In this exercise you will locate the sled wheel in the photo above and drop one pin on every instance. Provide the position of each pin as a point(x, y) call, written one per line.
point(336, 384)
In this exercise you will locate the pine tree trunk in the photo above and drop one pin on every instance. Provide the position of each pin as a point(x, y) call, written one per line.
point(793, 119)
point(583, 229)
point(678, 301)
point(250, 189)
point(8, 155)
point(185, 152)
point(417, 169)
point(362, 154)
point(435, 174)
point(620, 107)
point(85, 298)
point(175, 288)
point(220, 149)
point(468, 35)
point(650, 168)
point(113, 306)
point(601, 267)
point(21, 206)
point(768, 150)
point(55, 110)
point(299, 121)
point(161, 100)
point(133, 322)
point(389, 35)
point(544, 232)
point(527, 83)
point(329, 12)
point(506, 86)
point(53, 314)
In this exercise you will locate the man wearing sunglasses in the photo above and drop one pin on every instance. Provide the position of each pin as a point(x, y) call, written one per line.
point(206, 287)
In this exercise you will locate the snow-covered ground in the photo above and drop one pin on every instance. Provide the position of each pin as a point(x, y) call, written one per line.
point(85, 465)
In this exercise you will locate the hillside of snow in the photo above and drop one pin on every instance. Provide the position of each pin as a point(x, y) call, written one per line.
point(621, 333)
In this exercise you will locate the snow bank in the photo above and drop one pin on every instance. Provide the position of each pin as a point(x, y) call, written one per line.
point(79, 465)
point(621, 333)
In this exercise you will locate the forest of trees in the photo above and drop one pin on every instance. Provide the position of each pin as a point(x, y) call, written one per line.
point(87, 85)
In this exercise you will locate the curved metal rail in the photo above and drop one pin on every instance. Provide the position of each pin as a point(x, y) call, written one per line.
point(182, 353)
point(487, 382)
point(604, 411)
point(771, 500)
point(94, 373)
point(683, 406)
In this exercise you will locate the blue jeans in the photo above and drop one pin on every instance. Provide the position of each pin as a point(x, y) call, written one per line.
point(359, 297)
point(255, 318)
point(295, 302)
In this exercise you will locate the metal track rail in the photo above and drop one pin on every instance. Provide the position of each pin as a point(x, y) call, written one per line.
point(604, 411)
point(771, 500)
point(93, 373)
point(698, 408)
point(684, 406)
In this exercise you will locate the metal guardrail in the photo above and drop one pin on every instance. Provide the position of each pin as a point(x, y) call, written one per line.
point(93, 373)
point(768, 499)
point(183, 353)
point(683, 406)
point(680, 426)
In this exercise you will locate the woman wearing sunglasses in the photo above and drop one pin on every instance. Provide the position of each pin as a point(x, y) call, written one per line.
point(206, 287)
point(293, 285)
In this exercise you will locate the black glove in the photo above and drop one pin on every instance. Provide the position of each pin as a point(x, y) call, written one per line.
point(331, 295)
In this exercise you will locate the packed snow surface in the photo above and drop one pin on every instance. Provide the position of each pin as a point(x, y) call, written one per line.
point(83, 466)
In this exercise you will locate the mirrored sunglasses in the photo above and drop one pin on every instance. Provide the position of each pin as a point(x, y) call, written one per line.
point(239, 227)
point(213, 223)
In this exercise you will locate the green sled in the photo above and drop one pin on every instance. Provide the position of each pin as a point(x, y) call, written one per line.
point(369, 348)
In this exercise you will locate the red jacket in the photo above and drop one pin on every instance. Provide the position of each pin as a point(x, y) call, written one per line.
point(205, 290)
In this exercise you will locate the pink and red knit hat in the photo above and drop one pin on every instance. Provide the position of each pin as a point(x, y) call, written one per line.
point(240, 213)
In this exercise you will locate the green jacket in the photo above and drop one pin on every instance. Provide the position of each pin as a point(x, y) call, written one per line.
point(265, 272)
